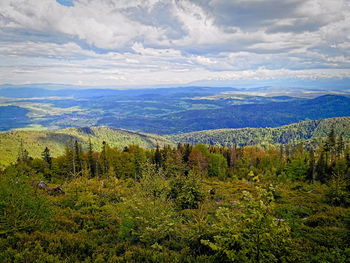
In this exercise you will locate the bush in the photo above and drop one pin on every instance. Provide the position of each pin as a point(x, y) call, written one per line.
point(186, 192)
point(21, 207)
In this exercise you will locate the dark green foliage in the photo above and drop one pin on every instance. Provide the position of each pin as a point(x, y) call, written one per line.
point(297, 168)
point(158, 157)
point(186, 192)
point(337, 193)
point(47, 157)
point(91, 162)
point(104, 164)
point(330, 142)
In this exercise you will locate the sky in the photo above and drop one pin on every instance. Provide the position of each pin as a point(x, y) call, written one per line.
point(172, 42)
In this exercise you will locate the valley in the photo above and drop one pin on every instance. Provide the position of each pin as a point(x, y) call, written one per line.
point(167, 110)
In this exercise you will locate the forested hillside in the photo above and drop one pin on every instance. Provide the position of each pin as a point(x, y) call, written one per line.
point(36, 141)
point(178, 204)
point(57, 140)
point(293, 133)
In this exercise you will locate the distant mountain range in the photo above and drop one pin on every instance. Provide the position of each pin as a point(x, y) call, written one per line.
point(167, 111)
point(270, 114)
point(72, 91)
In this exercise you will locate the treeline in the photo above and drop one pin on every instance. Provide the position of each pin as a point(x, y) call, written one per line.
point(190, 203)
point(298, 162)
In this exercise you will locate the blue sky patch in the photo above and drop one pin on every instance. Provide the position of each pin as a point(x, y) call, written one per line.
point(65, 2)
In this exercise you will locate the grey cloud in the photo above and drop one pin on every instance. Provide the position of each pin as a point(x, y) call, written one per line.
point(159, 15)
point(252, 15)
point(297, 26)
point(249, 14)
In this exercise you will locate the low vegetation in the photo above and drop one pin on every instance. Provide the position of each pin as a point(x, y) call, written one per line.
point(190, 203)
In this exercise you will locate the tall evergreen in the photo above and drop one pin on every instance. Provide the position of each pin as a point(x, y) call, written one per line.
point(103, 158)
point(46, 156)
point(330, 143)
point(340, 146)
point(158, 157)
point(78, 154)
point(91, 161)
point(186, 152)
point(321, 168)
point(281, 152)
point(311, 176)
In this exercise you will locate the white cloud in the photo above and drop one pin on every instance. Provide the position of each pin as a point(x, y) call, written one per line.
point(136, 42)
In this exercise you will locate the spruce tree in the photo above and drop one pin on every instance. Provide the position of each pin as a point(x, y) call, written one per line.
point(103, 158)
point(158, 157)
point(340, 146)
point(91, 162)
point(78, 156)
point(46, 156)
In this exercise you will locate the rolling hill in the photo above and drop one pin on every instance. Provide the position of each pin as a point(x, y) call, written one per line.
point(291, 133)
point(56, 140)
point(35, 141)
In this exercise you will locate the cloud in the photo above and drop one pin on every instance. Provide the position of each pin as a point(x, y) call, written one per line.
point(134, 42)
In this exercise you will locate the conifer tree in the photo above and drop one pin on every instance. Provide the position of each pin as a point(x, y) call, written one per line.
point(78, 156)
point(186, 152)
point(330, 141)
point(70, 158)
point(103, 157)
point(340, 146)
point(46, 156)
point(312, 167)
point(158, 157)
point(321, 168)
point(91, 162)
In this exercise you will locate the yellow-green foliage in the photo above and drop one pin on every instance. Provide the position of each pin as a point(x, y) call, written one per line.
point(111, 220)
point(35, 141)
